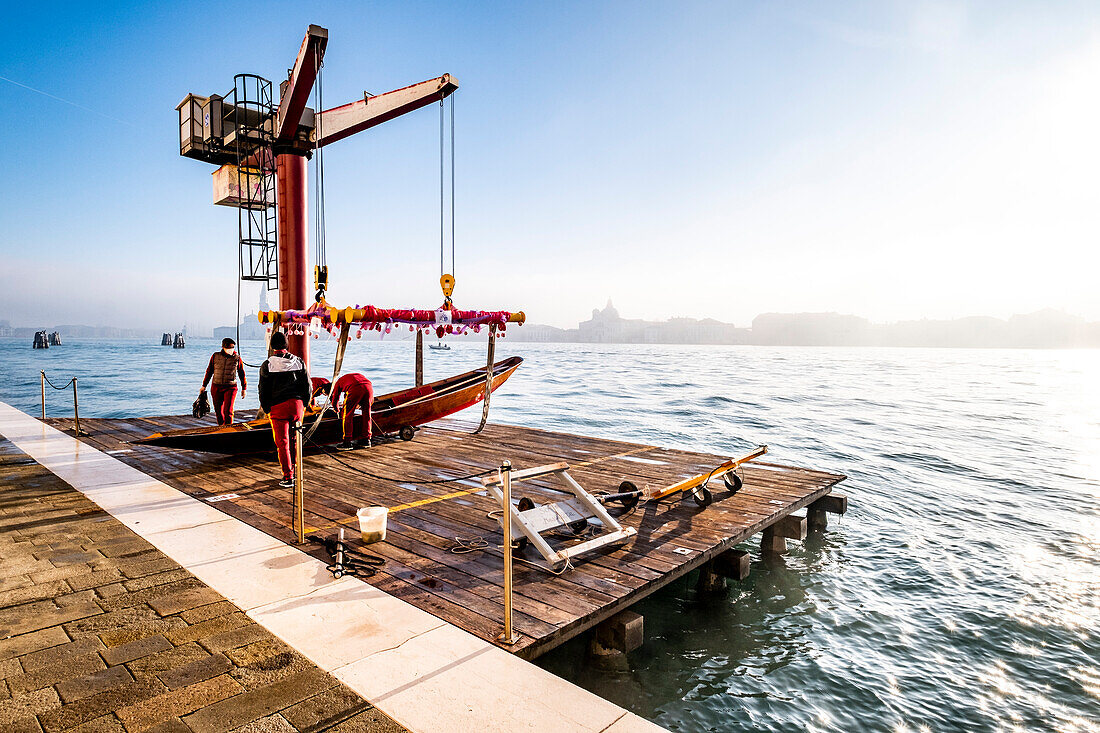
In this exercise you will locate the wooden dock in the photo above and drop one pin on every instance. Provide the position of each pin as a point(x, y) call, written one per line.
point(429, 524)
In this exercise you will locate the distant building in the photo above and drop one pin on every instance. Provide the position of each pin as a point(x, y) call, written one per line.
point(250, 329)
point(608, 327)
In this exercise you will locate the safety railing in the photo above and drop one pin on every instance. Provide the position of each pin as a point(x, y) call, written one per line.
point(76, 402)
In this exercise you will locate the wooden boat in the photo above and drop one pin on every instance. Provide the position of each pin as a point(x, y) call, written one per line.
point(397, 412)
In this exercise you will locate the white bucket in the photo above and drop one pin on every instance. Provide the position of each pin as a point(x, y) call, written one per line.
point(372, 523)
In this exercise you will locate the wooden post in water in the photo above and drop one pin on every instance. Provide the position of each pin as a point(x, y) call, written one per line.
point(76, 408)
point(43, 394)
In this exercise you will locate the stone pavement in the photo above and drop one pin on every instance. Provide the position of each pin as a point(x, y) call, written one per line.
point(100, 631)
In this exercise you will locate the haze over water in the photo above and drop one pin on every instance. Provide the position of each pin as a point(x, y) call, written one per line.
point(960, 592)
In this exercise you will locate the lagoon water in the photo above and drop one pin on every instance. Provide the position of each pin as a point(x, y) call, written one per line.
point(960, 592)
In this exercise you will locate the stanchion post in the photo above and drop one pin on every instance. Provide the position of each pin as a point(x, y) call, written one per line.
point(506, 485)
point(43, 394)
point(76, 408)
point(419, 358)
point(299, 510)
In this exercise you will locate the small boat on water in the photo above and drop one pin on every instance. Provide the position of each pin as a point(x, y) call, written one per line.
point(398, 412)
point(440, 346)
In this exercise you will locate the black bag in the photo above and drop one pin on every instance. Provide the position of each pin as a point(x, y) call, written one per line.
point(201, 407)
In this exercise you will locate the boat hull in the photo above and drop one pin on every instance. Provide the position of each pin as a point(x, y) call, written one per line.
point(392, 412)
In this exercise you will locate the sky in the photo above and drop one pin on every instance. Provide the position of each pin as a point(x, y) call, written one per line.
point(894, 160)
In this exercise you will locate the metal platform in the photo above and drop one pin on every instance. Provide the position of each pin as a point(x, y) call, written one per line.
point(427, 523)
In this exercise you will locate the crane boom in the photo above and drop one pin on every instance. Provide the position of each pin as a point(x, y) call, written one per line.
point(346, 120)
point(300, 84)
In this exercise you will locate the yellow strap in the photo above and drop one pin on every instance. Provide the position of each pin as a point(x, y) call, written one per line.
point(466, 492)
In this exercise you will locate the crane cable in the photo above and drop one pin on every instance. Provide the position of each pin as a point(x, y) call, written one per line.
point(442, 186)
point(320, 253)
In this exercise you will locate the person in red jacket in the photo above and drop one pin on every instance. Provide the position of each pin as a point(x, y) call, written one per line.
point(224, 368)
point(358, 393)
point(284, 393)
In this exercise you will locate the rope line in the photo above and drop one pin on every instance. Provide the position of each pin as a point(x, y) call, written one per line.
point(391, 479)
point(64, 386)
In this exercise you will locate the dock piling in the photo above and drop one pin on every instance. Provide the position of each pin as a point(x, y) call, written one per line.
point(816, 513)
point(732, 564)
point(710, 580)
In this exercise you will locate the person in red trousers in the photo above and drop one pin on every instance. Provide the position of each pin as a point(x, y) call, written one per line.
point(284, 393)
point(358, 394)
point(224, 368)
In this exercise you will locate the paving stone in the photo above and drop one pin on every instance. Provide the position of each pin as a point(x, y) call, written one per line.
point(271, 724)
point(38, 660)
point(205, 613)
point(180, 702)
point(17, 581)
point(73, 599)
point(36, 592)
point(29, 704)
point(135, 649)
point(256, 704)
point(371, 720)
point(32, 642)
point(128, 549)
point(93, 684)
point(148, 581)
point(208, 628)
point(64, 669)
point(272, 669)
point(96, 706)
point(27, 724)
point(125, 600)
point(234, 638)
point(268, 646)
point(110, 591)
point(86, 580)
point(197, 671)
point(10, 668)
point(173, 725)
point(60, 559)
point(145, 567)
point(32, 618)
point(335, 702)
point(105, 621)
point(104, 724)
point(166, 660)
point(124, 628)
point(177, 601)
point(140, 630)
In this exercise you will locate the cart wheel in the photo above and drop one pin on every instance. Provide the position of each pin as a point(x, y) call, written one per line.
point(703, 497)
point(524, 505)
point(578, 526)
point(732, 481)
point(629, 502)
point(407, 432)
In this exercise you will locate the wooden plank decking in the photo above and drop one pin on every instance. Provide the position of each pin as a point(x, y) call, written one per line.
point(427, 521)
